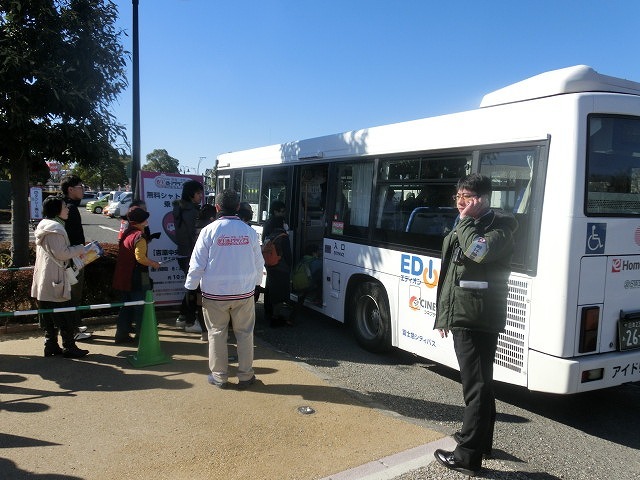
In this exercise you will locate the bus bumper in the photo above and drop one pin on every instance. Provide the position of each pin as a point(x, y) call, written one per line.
point(573, 375)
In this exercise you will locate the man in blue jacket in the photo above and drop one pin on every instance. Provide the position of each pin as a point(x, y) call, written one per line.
point(227, 263)
point(472, 304)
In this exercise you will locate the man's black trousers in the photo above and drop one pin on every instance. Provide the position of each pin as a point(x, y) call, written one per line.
point(476, 352)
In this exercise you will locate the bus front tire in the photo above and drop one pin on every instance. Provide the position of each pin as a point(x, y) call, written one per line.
point(370, 318)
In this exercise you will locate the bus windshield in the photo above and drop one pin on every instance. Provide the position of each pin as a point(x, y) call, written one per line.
point(613, 166)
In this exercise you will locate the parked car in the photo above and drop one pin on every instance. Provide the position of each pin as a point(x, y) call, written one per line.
point(118, 207)
point(88, 196)
point(97, 206)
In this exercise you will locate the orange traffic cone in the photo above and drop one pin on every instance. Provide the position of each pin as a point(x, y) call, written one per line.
point(149, 351)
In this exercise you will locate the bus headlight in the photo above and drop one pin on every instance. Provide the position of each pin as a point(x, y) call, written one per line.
point(589, 322)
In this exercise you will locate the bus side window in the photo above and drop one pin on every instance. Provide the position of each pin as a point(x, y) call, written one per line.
point(432, 224)
point(512, 173)
point(352, 200)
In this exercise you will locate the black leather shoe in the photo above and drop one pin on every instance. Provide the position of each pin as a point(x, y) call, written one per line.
point(447, 459)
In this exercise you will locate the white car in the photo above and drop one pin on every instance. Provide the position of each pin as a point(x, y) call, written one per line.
point(118, 208)
point(88, 196)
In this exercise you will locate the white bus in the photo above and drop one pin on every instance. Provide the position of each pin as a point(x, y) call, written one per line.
point(563, 152)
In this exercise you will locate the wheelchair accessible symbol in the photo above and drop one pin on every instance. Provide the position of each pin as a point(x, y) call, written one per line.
point(596, 237)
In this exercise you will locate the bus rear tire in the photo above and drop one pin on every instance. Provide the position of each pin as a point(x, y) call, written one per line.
point(370, 318)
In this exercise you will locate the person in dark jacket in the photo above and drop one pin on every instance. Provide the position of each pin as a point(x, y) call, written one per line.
point(185, 219)
point(278, 285)
point(472, 305)
point(73, 192)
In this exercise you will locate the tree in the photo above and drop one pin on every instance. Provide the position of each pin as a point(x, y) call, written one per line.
point(110, 172)
point(62, 68)
point(160, 161)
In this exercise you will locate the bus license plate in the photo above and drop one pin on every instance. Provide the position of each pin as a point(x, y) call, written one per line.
point(629, 334)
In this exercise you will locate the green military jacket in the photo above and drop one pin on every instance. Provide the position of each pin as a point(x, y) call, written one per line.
point(478, 253)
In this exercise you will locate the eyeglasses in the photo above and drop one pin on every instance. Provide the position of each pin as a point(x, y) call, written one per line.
point(78, 186)
point(465, 196)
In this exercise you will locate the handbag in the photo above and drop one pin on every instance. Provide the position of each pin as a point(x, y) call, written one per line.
point(70, 274)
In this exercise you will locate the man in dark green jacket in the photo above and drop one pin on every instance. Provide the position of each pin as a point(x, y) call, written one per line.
point(472, 304)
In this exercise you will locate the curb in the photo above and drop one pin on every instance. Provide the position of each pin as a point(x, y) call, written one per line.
point(393, 466)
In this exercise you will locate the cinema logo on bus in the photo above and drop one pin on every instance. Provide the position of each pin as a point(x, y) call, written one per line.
point(618, 265)
point(421, 304)
point(414, 265)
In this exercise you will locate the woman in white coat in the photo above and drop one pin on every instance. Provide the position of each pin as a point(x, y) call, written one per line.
point(51, 285)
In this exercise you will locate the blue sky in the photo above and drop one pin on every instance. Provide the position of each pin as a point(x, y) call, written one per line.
point(219, 76)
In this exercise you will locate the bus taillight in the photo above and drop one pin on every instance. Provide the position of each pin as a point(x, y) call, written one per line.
point(589, 329)
point(592, 375)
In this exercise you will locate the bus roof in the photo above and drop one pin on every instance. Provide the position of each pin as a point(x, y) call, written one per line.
point(444, 129)
point(576, 79)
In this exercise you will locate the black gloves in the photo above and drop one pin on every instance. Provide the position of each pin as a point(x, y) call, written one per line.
point(191, 298)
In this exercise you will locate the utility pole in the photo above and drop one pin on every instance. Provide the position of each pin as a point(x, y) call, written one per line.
point(135, 141)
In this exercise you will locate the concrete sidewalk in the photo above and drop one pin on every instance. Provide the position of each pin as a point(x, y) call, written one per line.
point(100, 418)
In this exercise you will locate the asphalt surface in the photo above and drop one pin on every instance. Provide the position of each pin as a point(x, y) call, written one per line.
point(100, 417)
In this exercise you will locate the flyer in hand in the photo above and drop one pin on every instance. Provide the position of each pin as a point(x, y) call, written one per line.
point(92, 251)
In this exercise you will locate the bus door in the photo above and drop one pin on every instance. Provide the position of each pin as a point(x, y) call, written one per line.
point(312, 206)
point(311, 190)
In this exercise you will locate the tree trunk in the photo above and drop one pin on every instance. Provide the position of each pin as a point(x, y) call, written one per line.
point(20, 213)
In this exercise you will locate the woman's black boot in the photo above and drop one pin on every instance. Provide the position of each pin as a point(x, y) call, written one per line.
point(73, 351)
point(69, 348)
point(51, 349)
point(51, 346)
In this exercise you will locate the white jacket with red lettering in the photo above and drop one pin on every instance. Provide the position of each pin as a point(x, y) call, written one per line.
point(226, 261)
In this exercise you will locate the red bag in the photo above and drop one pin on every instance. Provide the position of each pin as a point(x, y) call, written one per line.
point(270, 251)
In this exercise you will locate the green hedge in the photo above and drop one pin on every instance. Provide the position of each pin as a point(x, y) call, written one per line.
point(15, 286)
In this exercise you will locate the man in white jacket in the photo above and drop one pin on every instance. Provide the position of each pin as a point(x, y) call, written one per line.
point(227, 263)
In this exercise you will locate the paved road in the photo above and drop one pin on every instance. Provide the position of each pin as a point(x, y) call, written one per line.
point(587, 436)
point(100, 418)
point(96, 227)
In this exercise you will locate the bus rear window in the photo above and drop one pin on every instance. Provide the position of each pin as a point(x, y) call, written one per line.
point(613, 166)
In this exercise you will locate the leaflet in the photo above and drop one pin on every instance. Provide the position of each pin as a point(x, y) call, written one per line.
point(92, 251)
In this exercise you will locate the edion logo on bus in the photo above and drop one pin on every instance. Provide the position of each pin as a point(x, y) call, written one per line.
point(413, 265)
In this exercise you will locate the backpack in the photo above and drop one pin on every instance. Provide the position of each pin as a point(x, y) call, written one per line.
point(301, 276)
point(270, 251)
